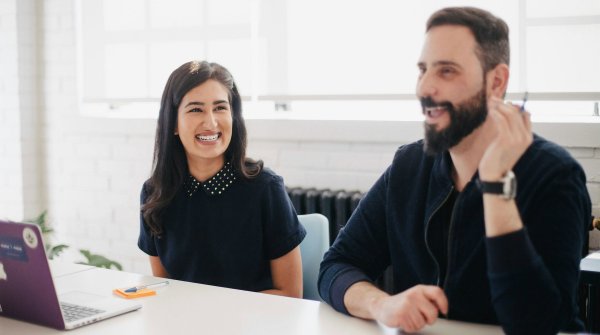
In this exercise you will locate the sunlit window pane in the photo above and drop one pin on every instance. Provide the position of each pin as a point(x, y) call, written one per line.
point(222, 12)
point(176, 13)
point(166, 57)
point(234, 55)
point(124, 15)
point(126, 71)
point(365, 50)
point(558, 8)
point(561, 58)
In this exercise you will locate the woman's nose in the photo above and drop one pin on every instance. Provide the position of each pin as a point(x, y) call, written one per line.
point(209, 120)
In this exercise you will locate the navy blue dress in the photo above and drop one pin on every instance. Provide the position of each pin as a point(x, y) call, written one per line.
point(225, 231)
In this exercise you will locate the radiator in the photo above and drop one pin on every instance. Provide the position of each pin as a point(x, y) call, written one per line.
point(337, 206)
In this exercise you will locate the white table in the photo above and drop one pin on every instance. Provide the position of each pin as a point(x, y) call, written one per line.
point(60, 269)
point(187, 308)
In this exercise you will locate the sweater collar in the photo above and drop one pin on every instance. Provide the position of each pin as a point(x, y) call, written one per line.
point(214, 186)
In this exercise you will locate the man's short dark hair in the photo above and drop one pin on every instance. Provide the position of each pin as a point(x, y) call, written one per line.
point(491, 32)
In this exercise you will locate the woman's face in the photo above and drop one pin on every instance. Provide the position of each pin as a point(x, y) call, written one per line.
point(204, 123)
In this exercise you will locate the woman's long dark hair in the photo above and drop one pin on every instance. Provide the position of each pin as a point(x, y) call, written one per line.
point(169, 166)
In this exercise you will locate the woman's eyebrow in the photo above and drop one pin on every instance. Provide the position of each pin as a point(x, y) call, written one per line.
point(193, 103)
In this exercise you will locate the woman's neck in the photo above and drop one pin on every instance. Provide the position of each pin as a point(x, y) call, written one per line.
point(202, 169)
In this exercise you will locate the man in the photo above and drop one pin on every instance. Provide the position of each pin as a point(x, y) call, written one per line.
point(462, 240)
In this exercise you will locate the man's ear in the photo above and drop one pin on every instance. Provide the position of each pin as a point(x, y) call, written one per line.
point(497, 80)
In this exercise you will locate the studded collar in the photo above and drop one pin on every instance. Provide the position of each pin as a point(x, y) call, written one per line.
point(214, 186)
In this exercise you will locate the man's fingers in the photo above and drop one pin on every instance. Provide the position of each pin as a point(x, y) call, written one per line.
point(417, 321)
point(438, 297)
point(430, 312)
point(414, 308)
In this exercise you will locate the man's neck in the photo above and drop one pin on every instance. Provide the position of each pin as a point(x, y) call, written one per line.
point(467, 154)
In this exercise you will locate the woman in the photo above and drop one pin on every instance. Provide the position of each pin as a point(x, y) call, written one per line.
point(209, 214)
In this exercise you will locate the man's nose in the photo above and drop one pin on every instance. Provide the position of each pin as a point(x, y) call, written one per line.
point(426, 86)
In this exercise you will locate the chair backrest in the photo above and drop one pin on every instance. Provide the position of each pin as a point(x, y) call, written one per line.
point(312, 248)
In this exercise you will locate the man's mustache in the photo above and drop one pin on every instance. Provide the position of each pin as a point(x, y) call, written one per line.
point(427, 102)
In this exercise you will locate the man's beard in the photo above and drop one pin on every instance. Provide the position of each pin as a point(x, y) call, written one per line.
point(467, 117)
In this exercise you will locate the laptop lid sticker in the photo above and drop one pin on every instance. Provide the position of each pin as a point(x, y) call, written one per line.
point(30, 238)
point(3, 275)
point(13, 248)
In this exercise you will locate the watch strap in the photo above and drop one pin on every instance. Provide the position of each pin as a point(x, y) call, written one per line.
point(492, 187)
point(506, 187)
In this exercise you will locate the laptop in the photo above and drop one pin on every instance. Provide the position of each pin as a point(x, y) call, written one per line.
point(27, 291)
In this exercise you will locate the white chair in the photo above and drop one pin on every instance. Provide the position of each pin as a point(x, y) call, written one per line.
point(312, 248)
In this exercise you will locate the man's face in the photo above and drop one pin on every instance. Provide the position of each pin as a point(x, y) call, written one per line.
point(466, 117)
point(451, 87)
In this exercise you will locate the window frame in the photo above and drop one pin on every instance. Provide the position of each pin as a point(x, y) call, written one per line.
point(134, 107)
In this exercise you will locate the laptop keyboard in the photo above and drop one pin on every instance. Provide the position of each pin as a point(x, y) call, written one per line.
point(75, 312)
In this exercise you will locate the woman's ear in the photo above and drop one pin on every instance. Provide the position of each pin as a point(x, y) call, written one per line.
point(497, 80)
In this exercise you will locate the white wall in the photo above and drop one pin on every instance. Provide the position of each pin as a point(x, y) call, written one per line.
point(11, 186)
point(20, 125)
point(88, 171)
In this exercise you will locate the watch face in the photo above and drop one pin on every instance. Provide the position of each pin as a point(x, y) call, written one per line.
point(510, 186)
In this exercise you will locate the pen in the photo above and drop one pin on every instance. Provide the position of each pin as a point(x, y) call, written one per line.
point(137, 288)
point(522, 109)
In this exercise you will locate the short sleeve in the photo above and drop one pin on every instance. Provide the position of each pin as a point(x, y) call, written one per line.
point(282, 230)
point(145, 240)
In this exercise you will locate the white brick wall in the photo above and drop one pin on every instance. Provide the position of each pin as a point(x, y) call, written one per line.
point(93, 168)
point(30, 107)
point(11, 183)
point(321, 164)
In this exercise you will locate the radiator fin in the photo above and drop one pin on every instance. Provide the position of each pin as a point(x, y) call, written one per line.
point(337, 206)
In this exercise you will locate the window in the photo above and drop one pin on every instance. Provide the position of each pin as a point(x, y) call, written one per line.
point(324, 58)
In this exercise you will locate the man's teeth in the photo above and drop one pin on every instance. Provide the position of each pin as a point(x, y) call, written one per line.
point(433, 111)
point(207, 137)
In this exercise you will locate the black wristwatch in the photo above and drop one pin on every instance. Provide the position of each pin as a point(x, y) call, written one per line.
point(506, 187)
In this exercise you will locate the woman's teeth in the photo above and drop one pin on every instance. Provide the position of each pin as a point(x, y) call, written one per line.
point(207, 137)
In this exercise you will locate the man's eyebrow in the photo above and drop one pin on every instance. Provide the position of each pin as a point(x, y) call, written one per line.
point(439, 63)
point(446, 62)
